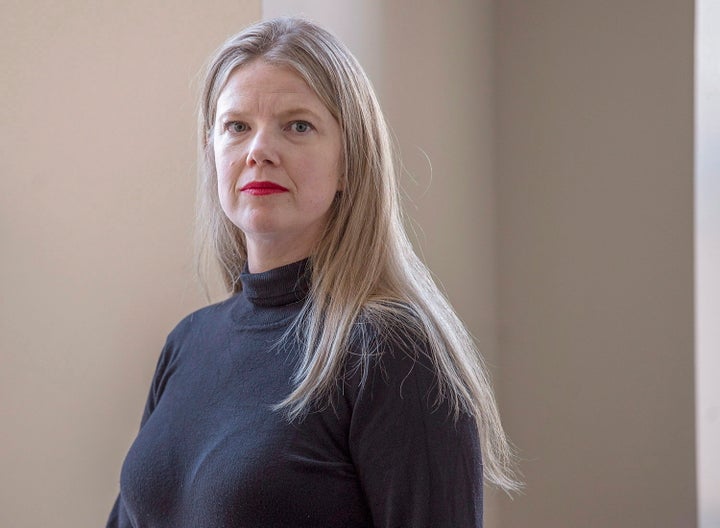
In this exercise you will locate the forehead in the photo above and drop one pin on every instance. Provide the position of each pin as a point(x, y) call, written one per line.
point(266, 84)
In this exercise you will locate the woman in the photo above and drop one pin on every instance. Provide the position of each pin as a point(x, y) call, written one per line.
point(336, 387)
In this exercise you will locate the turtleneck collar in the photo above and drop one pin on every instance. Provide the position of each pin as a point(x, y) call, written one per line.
point(277, 287)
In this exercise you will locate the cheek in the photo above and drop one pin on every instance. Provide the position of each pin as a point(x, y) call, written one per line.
point(227, 169)
point(320, 185)
point(322, 172)
point(225, 184)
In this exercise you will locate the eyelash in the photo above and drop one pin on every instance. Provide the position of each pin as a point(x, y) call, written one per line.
point(304, 123)
point(231, 125)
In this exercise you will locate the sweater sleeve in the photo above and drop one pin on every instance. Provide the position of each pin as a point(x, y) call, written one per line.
point(118, 515)
point(417, 465)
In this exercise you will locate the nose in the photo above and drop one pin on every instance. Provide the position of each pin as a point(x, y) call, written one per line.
point(262, 149)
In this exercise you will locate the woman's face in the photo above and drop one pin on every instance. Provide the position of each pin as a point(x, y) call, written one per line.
point(277, 155)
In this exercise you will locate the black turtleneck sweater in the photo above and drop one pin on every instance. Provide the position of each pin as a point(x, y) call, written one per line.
point(211, 452)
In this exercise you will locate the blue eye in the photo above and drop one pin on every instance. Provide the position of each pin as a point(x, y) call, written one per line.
point(301, 127)
point(236, 126)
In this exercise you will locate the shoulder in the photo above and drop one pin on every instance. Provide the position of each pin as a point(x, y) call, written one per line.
point(389, 327)
point(188, 336)
point(193, 332)
point(389, 352)
point(395, 388)
point(200, 319)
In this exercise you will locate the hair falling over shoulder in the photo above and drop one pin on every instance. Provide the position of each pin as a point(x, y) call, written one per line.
point(364, 264)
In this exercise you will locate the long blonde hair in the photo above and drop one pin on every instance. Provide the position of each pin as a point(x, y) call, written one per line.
point(364, 265)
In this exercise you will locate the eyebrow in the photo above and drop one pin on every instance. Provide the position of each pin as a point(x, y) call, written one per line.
point(298, 110)
point(293, 111)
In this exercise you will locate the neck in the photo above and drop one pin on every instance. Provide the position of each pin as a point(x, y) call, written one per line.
point(264, 255)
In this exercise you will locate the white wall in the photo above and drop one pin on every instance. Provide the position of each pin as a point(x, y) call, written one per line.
point(707, 254)
point(97, 180)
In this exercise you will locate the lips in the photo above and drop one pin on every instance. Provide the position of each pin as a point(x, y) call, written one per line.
point(259, 188)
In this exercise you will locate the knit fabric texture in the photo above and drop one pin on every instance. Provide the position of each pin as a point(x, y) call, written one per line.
point(212, 452)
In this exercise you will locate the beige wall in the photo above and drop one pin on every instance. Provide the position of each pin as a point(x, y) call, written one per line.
point(96, 203)
point(558, 216)
point(595, 201)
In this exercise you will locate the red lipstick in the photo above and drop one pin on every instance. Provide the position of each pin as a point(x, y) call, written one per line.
point(260, 188)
